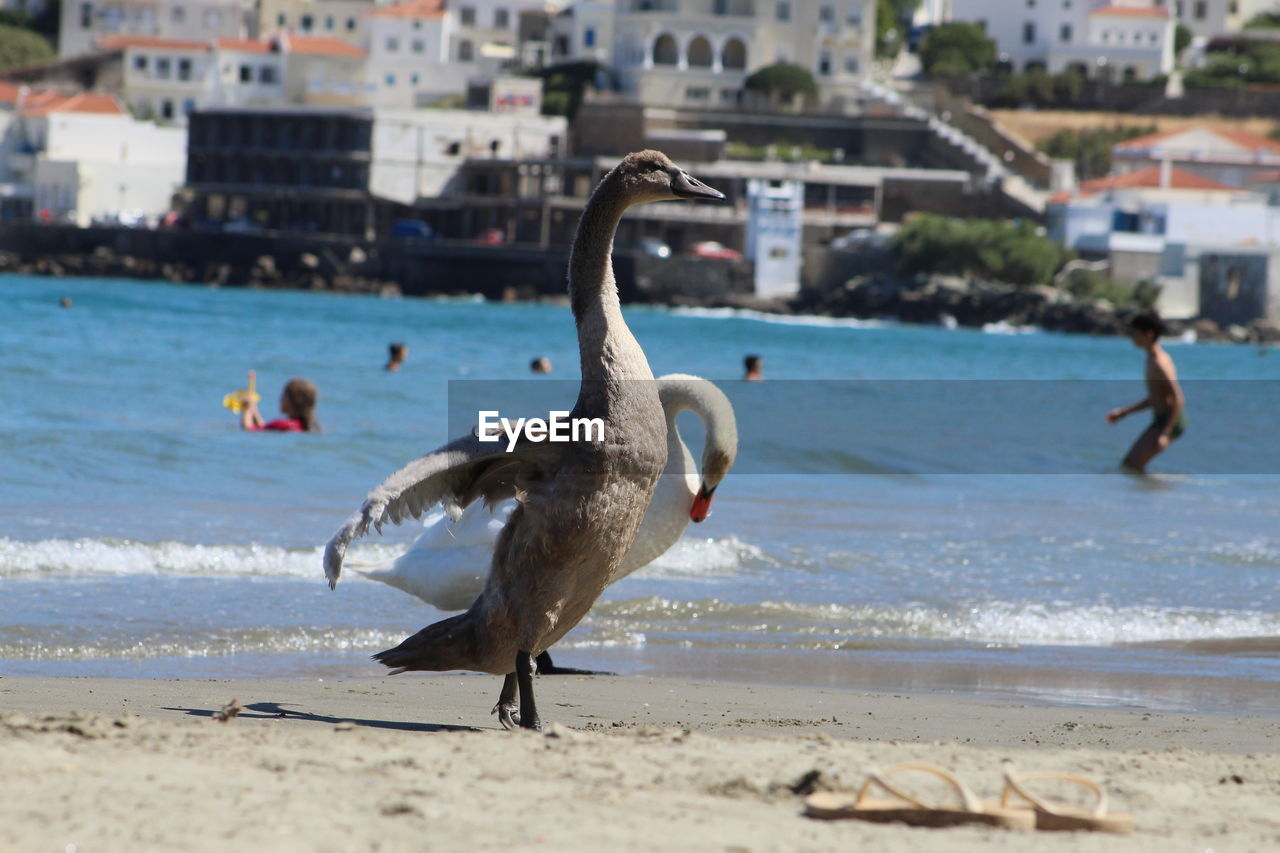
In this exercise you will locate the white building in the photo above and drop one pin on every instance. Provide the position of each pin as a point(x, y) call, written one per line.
point(166, 79)
point(421, 51)
point(83, 157)
point(583, 32)
point(416, 153)
point(699, 52)
point(1155, 224)
point(340, 19)
point(85, 22)
point(1208, 18)
point(1117, 40)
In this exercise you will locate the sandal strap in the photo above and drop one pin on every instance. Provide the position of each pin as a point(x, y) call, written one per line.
point(877, 778)
point(1013, 784)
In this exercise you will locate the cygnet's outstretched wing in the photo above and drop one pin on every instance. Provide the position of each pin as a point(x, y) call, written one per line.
point(454, 475)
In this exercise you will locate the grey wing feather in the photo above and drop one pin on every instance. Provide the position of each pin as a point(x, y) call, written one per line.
point(454, 475)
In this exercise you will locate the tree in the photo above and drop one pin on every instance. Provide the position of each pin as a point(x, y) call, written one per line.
point(1264, 21)
point(1090, 148)
point(782, 82)
point(564, 86)
point(20, 47)
point(892, 16)
point(956, 48)
point(1181, 40)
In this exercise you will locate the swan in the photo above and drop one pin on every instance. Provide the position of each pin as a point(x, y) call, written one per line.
point(579, 504)
point(444, 565)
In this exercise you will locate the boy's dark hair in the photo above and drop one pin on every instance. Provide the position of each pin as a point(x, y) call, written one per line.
point(751, 362)
point(395, 349)
point(1149, 321)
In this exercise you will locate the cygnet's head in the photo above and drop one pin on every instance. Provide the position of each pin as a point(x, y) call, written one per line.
point(651, 176)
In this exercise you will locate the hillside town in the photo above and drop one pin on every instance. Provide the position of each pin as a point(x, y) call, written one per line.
point(1040, 162)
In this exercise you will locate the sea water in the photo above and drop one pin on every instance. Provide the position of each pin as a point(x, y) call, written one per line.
point(913, 508)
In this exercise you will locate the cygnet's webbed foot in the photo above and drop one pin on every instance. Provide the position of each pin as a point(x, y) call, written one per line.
point(507, 709)
point(547, 667)
point(524, 680)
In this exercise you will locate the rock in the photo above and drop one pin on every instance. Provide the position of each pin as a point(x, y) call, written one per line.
point(308, 261)
point(357, 255)
point(1205, 328)
point(1265, 331)
point(1237, 333)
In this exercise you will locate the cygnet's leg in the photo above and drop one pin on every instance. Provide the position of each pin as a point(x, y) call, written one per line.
point(547, 667)
point(506, 707)
point(524, 678)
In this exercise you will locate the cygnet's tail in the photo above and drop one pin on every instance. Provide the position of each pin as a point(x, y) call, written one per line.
point(447, 644)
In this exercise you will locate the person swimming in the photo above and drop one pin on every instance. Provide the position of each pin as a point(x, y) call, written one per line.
point(297, 404)
point(1164, 396)
point(753, 368)
point(396, 354)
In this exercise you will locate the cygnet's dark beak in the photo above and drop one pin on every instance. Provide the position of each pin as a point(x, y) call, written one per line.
point(685, 185)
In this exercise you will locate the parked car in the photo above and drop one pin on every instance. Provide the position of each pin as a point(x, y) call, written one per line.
point(653, 247)
point(491, 237)
point(242, 225)
point(412, 229)
point(860, 238)
point(711, 250)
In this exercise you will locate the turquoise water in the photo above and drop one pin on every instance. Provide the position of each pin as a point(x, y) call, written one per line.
point(913, 508)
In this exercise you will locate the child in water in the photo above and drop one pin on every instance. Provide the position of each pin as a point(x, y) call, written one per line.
point(297, 404)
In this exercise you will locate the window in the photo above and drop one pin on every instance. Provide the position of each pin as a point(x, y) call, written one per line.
point(416, 46)
point(246, 73)
point(86, 15)
point(824, 64)
point(162, 68)
point(501, 19)
point(139, 63)
point(589, 37)
point(212, 19)
point(267, 74)
point(184, 69)
point(179, 15)
point(1029, 32)
point(188, 106)
point(414, 79)
point(391, 79)
point(281, 20)
point(351, 25)
point(305, 23)
point(851, 65)
point(697, 93)
point(464, 51)
point(166, 108)
point(1202, 9)
point(783, 12)
point(393, 44)
point(854, 16)
point(467, 16)
point(1064, 32)
point(826, 14)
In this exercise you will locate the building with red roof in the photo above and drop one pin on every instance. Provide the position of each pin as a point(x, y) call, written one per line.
point(1224, 155)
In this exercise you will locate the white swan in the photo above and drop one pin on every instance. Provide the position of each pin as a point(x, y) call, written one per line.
point(446, 565)
point(579, 503)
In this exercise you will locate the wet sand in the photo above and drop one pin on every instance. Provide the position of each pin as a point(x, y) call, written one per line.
point(414, 763)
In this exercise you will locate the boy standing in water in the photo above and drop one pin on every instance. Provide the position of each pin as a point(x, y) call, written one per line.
point(1164, 396)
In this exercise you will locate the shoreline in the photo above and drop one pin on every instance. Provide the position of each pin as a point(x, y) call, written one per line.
point(625, 763)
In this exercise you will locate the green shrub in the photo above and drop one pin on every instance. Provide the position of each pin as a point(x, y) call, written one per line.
point(1010, 252)
point(20, 47)
point(956, 48)
point(1090, 148)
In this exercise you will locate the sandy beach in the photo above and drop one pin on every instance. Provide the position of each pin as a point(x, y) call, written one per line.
point(414, 763)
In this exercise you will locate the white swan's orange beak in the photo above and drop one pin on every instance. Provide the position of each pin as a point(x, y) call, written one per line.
point(701, 504)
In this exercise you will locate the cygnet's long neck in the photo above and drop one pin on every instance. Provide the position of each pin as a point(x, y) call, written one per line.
point(606, 346)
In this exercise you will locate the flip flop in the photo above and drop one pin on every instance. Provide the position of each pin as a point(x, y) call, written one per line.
point(904, 808)
point(1061, 817)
